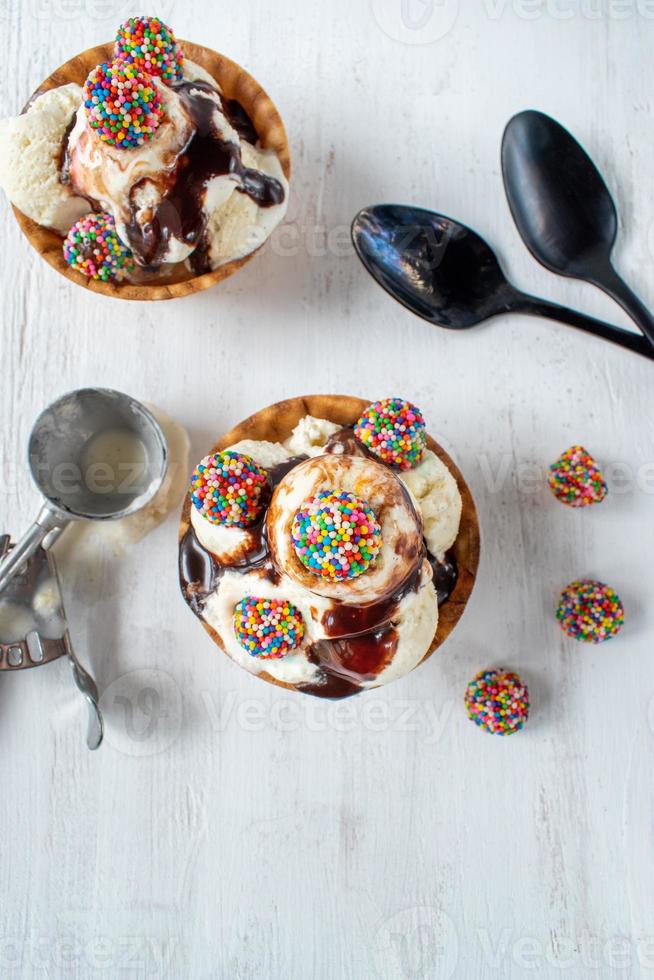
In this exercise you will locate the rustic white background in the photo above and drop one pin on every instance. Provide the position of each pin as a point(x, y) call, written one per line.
point(227, 829)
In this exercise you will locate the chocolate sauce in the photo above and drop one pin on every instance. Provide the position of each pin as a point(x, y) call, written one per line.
point(347, 662)
point(180, 213)
point(240, 120)
point(63, 168)
point(446, 575)
point(361, 639)
point(344, 620)
point(345, 443)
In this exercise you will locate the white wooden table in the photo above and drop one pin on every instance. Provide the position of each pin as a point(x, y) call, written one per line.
point(230, 830)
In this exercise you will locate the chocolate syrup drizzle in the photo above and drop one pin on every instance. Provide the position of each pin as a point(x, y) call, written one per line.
point(180, 213)
point(361, 639)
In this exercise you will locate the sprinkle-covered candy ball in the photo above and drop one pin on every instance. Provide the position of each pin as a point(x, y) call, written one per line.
point(92, 247)
point(122, 104)
point(394, 430)
point(590, 611)
point(336, 535)
point(497, 701)
point(150, 45)
point(268, 628)
point(228, 488)
point(575, 479)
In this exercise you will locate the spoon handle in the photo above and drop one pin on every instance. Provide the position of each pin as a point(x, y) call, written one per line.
point(552, 311)
point(617, 288)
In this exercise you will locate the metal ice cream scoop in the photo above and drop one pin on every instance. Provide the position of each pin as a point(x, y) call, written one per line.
point(95, 455)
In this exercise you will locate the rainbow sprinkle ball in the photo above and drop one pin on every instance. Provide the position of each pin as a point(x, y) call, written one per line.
point(122, 104)
point(268, 628)
point(229, 488)
point(497, 701)
point(575, 479)
point(336, 535)
point(590, 611)
point(150, 45)
point(394, 430)
point(93, 248)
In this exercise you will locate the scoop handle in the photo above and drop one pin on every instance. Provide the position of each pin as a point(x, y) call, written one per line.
point(46, 521)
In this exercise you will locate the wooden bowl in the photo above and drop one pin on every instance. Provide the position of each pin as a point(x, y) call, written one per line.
point(276, 423)
point(237, 84)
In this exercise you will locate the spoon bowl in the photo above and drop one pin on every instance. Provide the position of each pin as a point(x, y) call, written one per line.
point(447, 274)
point(557, 196)
point(563, 209)
point(436, 267)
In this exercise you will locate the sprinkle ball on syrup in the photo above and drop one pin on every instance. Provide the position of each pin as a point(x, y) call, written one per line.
point(268, 628)
point(229, 488)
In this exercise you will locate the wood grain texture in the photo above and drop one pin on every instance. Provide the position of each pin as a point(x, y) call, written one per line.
point(230, 830)
point(236, 84)
point(276, 423)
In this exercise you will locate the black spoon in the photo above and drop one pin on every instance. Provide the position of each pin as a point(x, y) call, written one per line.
point(448, 275)
point(563, 208)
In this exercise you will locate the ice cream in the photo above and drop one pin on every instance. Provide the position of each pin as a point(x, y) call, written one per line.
point(151, 145)
point(364, 622)
point(30, 160)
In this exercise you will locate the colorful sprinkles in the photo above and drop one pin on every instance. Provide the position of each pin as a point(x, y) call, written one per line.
point(497, 701)
point(268, 628)
point(336, 535)
point(228, 488)
point(590, 611)
point(575, 479)
point(394, 430)
point(122, 104)
point(150, 45)
point(93, 248)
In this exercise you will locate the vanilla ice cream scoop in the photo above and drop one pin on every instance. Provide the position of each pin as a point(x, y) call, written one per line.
point(173, 197)
point(30, 159)
point(400, 545)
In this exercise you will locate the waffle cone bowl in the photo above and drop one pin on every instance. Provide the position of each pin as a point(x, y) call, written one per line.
point(236, 84)
point(276, 423)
